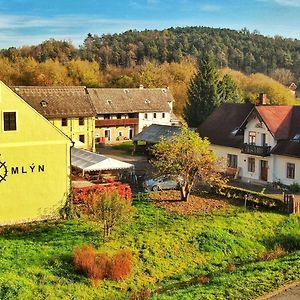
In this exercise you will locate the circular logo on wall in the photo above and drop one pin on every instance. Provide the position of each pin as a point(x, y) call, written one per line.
point(3, 171)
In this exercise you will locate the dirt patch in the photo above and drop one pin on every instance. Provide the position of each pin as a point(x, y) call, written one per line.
point(170, 200)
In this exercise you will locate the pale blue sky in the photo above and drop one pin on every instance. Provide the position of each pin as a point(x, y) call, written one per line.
point(27, 22)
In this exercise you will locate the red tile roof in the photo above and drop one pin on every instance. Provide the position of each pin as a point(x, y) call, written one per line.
point(277, 118)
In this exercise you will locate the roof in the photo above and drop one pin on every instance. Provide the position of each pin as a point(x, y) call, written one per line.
point(277, 118)
point(57, 102)
point(89, 161)
point(155, 132)
point(222, 126)
point(225, 125)
point(287, 148)
point(111, 100)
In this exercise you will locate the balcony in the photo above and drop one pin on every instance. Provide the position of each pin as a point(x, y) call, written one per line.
point(116, 122)
point(256, 150)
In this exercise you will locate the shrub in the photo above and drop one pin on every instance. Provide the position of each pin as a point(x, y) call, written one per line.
point(143, 294)
point(84, 258)
point(81, 196)
point(94, 266)
point(111, 205)
point(294, 187)
point(231, 268)
point(121, 265)
point(98, 266)
point(277, 251)
point(202, 279)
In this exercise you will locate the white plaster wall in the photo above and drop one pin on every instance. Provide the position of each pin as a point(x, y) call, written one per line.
point(222, 151)
point(251, 126)
point(281, 169)
point(145, 122)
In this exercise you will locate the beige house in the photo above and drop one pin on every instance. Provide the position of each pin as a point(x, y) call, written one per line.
point(123, 113)
point(67, 107)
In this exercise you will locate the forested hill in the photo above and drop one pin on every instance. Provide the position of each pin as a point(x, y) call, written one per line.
point(240, 50)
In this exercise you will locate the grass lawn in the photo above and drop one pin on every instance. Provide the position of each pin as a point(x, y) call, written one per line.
point(172, 254)
point(126, 147)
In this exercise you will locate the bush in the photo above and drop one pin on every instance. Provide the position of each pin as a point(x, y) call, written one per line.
point(84, 258)
point(121, 265)
point(98, 266)
point(94, 266)
point(294, 187)
point(111, 205)
point(276, 252)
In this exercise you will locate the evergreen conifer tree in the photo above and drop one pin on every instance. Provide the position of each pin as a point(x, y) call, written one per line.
point(203, 92)
point(228, 90)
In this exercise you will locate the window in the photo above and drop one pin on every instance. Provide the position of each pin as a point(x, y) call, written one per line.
point(232, 161)
point(145, 116)
point(81, 121)
point(10, 121)
point(81, 138)
point(163, 115)
point(252, 137)
point(290, 171)
point(154, 115)
point(64, 122)
point(263, 139)
point(106, 117)
point(251, 164)
point(119, 116)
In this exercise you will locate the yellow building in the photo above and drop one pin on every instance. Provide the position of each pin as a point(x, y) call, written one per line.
point(67, 107)
point(34, 163)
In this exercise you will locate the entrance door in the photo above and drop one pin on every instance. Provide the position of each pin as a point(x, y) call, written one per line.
point(130, 133)
point(264, 170)
point(107, 135)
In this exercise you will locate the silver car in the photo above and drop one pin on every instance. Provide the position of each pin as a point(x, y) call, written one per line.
point(162, 183)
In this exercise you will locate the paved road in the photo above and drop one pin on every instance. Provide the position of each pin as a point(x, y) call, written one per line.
point(288, 292)
point(292, 293)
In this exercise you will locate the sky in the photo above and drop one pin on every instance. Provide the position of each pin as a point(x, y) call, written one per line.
point(29, 22)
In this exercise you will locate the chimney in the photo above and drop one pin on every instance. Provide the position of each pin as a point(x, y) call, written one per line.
point(141, 86)
point(261, 99)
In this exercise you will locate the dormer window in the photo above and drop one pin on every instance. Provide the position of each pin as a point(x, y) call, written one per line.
point(108, 101)
point(296, 137)
point(81, 121)
point(235, 131)
point(64, 122)
point(44, 103)
point(147, 101)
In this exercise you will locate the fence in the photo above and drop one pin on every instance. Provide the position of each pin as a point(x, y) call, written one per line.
point(291, 204)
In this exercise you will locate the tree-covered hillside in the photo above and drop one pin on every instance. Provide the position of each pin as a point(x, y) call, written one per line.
point(239, 50)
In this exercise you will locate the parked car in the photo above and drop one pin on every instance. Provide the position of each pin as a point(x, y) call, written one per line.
point(162, 183)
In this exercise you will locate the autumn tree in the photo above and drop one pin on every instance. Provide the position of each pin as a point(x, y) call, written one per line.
point(84, 72)
point(187, 157)
point(284, 76)
point(203, 93)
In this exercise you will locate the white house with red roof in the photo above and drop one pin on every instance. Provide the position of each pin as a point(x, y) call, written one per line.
point(259, 142)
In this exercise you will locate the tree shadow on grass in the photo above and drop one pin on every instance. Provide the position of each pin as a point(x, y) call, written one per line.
point(290, 242)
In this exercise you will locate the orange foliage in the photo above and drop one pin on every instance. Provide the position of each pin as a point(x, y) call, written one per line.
point(121, 265)
point(98, 266)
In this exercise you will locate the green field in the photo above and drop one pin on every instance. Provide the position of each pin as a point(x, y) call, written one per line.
point(170, 252)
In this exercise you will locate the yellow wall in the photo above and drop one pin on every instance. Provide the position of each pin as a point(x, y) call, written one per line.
point(73, 130)
point(37, 159)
